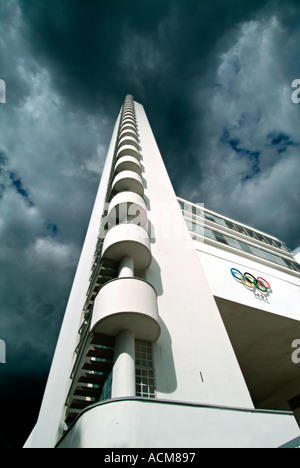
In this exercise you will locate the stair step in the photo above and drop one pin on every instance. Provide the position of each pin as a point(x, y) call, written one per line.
point(81, 404)
point(105, 340)
point(97, 379)
point(101, 353)
point(97, 366)
point(94, 392)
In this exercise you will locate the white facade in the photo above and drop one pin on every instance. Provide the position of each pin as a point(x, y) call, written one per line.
point(160, 345)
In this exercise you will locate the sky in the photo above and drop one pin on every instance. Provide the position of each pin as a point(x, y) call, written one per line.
point(215, 78)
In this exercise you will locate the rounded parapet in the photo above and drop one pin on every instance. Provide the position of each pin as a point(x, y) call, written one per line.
point(128, 181)
point(130, 133)
point(127, 207)
point(128, 150)
point(128, 240)
point(128, 163)
point(128, 127)
point(128, 140)
point(128, 119)
point(128, 113)
point(127, 304)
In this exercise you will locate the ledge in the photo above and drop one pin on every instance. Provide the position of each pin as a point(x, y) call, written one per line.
point(128, 181)
point(128, 240)
point(127, 304)
point(134, 422)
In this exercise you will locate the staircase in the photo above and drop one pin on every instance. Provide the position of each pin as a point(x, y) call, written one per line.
point(94, 352)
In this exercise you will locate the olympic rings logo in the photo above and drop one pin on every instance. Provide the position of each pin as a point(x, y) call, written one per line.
point(250, 281)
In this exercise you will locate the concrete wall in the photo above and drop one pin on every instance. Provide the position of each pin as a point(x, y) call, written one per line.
point(157, 424)
point(284, 298)
point(193, 358)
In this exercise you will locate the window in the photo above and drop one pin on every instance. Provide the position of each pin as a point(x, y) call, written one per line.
point(279, 260)
point(260, 237)
point(241, 230)
point(292, 265)
point(145, 385)
point(220, 221)
point(208, 233)
point(106, 391)
point(251, 234)
point(257, 252)
point(268, 256)
point(245, 247)
point(209, 217)
point(232, 242)
point(231, 225)
point(219, 237)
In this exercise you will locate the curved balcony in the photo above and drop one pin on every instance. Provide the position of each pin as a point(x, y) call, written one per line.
point(128, 181)
point(128, 140)
point(128, 126)
point(128, 163)
point(129, 133)
point(129, 113)
point(128, 240)
point(127, 304)
point(128, 119)
point(128, 150)
point(127, 206)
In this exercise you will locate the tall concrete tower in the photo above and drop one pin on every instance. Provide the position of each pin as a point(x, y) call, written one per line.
point(143, 358)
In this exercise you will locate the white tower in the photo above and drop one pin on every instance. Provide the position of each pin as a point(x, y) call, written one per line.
point(143, 358)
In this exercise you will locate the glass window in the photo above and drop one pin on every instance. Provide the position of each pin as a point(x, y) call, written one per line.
point(145, 385)
point(257, 252)
point(296, 266)
point(292, 265)
point(278, 260)
point(231, 225)
point(106, 392)
point(181, 204)
point(268, 256)
point(251, 234)
point(245, 247)
point(208, 233)
point(285, 247)
point(219, 237)
point(232, 242)
point(278, 244)
point(241, 230)
point(260, 237)
point(268, 241)
point(220, 221)
point(209, 217)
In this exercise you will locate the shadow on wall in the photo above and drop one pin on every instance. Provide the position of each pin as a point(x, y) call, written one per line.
point(163, 355)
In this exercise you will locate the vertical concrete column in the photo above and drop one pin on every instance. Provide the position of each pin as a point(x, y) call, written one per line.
point(126, 268)
point(123, 381)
